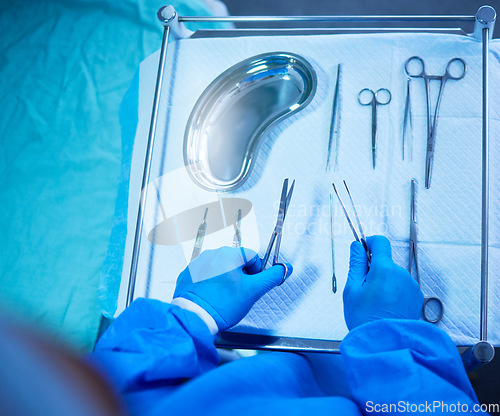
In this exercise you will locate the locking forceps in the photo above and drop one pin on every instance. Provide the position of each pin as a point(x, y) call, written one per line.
point(431, 125)
point(286, 196)
point(428, 301)
point(362, 240)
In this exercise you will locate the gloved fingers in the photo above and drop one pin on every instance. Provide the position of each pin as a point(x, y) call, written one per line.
point(358, 262)
point(380, 248)
point(253, 262)
point(405, 276)
point(263, 282)
point(246, 258)
point(236, 256)
point(213, 263)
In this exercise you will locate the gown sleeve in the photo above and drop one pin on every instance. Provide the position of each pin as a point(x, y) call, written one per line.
point(154, 343)
point(397, 366)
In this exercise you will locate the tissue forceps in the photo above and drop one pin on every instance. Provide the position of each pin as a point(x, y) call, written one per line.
point(414, 256)
point(373, 102)
point(362, 240)
point(286, 196)
point(334, 123)
point(431, 126)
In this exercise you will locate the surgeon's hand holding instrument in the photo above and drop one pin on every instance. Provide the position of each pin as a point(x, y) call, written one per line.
point(200, 236)
point(286, 196)
point(431, 124)
point(381, 97)
point(226, 282)
point(427, 313)
point(385, 290)
point(362, 240)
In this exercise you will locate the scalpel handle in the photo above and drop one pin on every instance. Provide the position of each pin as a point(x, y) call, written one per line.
point(198, 244)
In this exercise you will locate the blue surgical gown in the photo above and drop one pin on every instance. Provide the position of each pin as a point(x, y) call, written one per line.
point(162, 360)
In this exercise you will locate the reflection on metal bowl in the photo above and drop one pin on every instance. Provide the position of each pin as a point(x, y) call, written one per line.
point(229, 120)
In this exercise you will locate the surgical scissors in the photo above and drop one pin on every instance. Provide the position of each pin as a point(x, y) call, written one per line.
point(373, 102)
point(286, 196)
point(431, 126)
point(414, 256)
point(362, 240)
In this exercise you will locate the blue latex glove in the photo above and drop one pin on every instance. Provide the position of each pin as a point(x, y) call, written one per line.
point(386, 291)
point(226, 282)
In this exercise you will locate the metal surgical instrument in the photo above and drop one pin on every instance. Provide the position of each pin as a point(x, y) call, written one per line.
point(334, 123)
point(407, 123)
point(414, 256)
point(431, 125)
point(200, 236)
point(362, 240)
point(334, 278)
point(237, 230)
point(286, 196)
point(373, 102)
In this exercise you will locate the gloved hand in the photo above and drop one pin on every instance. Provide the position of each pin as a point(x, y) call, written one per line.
point(226, 282)
point(386, 291)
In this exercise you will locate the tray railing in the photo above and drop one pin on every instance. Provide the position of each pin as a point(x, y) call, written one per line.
point(484, 20)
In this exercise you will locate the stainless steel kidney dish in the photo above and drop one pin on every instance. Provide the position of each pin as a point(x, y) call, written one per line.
point(234, 113)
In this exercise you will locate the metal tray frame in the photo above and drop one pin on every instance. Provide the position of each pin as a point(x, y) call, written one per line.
point(484, 21)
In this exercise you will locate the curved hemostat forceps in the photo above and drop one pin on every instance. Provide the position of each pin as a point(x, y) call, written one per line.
point(426, 308)
point(362, 240)
point(286, 196)
point(431, 125)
